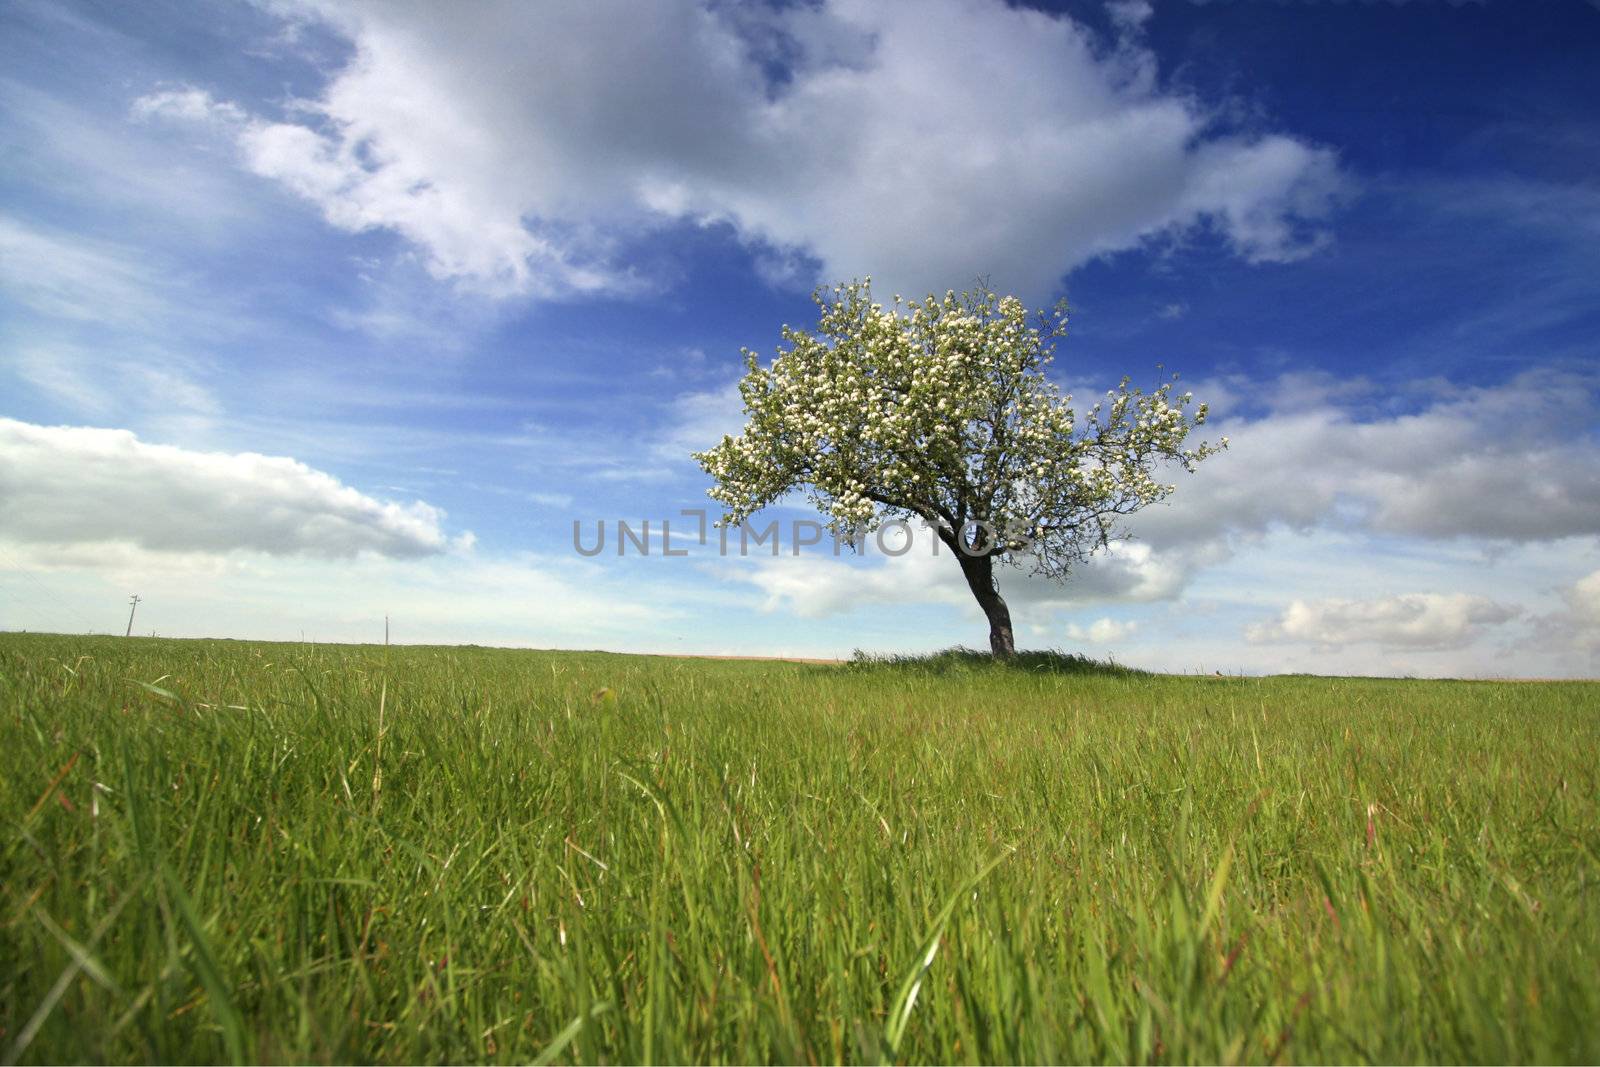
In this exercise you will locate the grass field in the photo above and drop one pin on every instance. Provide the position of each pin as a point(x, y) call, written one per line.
point(271, 852)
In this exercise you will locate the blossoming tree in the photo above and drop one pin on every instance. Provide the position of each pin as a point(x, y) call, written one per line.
point(941, 410)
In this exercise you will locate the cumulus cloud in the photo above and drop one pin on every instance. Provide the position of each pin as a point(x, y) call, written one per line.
point(1583, 601)
point(65, 488)
point(1129, 15)
point(1517, 462)
point(1102, 631)
point(923, 143)
point(1412, 620)
point(190, 104)
point(1576, 627)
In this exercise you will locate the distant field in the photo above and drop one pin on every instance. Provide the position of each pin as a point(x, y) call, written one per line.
point(271, 852)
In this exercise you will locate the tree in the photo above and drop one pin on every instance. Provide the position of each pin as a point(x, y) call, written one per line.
point(941, 410)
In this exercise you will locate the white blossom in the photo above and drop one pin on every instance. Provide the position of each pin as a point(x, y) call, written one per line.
point(942, 409)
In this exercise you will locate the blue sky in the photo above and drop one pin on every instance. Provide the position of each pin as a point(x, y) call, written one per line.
point(312, 313)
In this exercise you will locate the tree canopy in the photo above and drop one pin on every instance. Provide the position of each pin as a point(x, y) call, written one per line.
point(943, 410)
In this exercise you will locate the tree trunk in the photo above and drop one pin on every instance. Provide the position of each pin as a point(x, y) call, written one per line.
point(979, 572)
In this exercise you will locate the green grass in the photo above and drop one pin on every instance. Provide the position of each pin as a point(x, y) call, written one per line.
point(269, 852)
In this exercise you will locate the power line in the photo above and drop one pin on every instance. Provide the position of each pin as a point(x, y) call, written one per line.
point(56, 601)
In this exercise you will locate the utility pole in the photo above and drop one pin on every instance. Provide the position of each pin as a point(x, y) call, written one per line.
point(133, 606)
point(385, 630)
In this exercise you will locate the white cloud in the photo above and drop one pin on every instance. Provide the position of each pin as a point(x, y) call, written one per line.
point(189, 104)
point(925, 143)
point(74, 486)
point(1130, 15)
point(73, 277)
point(88, 155)
point(1412, 620)
point(815, 586)
point(697, 421)
point(93, 385)
point(1576, 627)
point(1102, 631)
point(1261, 191)
point(1516, 463)
point(1583, 601)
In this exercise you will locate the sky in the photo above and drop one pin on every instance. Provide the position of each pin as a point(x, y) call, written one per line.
point(313, 314)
